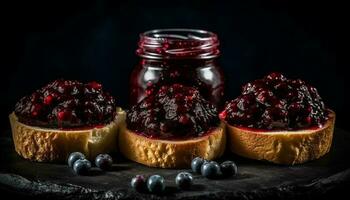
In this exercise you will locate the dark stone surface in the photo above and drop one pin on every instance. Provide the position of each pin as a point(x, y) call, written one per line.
point(322, 178)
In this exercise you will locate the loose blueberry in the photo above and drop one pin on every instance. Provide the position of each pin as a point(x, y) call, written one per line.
point(210, 170)
point(205, 162)
point(184, 180)
point(155, 184)
point(74, 157)
point(82, 166)
point(228, 168)
point(196, 164)
point(138, 183)
point(104, 161)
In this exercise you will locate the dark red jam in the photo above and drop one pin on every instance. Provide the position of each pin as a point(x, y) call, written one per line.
point(182, 56)
point(173, 112)
point(67, 104)
point(276, 103)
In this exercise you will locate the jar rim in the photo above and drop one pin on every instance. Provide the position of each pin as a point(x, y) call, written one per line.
point(178, 43)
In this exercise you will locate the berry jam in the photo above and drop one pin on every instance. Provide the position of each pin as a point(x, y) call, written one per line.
point(182, 56)
point(67, 104)
point(173, 112)
point(276, 103)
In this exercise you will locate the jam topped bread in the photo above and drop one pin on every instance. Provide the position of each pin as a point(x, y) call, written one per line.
point(62, 117)
point(175, 112)
point(170, 127)
point(280, 120)
point(276, 103)
point(67, 104)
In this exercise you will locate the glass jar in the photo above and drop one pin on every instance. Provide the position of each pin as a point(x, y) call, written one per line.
point(184, 56)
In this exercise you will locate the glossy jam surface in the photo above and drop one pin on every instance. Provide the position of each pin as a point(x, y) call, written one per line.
point(276, 103)
point(180, 56)
point(67, 104)
point(173, 112)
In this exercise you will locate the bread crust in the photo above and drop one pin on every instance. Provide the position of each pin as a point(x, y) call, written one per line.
point(282, 147)
point(171, 154)
point(54, 145)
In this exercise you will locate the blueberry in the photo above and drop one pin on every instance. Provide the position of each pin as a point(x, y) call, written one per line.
point(206, 161)
point(82, 166)
point(184, 180)
point(210, 170)
point(228, 168)
point(155, 184)
point(196, 164)
point(104, 161)
point(74, 157)
point(138, 183)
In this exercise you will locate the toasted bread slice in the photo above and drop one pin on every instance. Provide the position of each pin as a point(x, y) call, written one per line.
point(169, 153)
point(54, 145)
point(282, 147)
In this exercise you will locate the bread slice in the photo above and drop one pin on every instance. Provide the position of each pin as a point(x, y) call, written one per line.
point(282, 147)
point(54, 145)
point(168, 153)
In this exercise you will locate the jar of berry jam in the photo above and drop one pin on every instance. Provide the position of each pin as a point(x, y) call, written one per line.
point(184, 56)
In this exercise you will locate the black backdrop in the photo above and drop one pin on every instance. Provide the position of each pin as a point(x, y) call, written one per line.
point(97, 41)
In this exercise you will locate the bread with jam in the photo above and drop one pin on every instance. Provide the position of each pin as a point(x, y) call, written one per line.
point(170, 127)
point(63, 117)
point(279, 120)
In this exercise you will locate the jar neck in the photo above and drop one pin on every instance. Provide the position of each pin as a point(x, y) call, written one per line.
point(169, 63)
point(178, 44)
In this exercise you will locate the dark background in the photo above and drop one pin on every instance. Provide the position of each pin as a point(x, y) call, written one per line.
point(97, 40)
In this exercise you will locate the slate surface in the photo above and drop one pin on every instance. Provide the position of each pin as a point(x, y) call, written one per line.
point(256, 180)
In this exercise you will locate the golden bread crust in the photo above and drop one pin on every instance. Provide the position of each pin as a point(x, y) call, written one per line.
point(171, 154)
point(282, 147)
point(54, 145)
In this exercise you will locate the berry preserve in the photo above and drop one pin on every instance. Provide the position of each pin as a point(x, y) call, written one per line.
point(173, 112)
point(67, 104)
point(182, 56)
point(276, 103)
